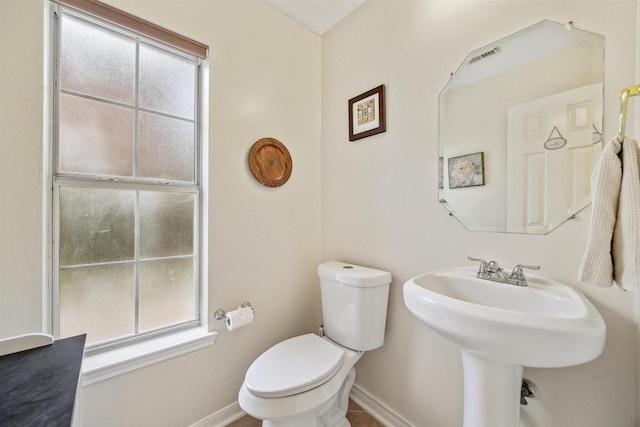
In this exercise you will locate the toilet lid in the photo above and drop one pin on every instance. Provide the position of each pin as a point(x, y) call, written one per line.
point(294, 366)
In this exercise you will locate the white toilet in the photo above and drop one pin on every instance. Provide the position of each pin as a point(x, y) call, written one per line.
point(305, 381)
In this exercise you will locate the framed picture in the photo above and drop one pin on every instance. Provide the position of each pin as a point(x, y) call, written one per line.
point(466, 171)
point(366, 114)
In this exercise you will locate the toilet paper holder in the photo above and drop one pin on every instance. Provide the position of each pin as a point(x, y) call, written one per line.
point(220, 314)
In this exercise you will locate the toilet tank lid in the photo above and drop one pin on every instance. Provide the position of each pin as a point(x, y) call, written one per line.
point(353, 275)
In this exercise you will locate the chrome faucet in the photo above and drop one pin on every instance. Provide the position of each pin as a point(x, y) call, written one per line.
point(492, 271)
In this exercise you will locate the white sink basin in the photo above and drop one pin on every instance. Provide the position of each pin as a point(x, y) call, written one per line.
point(500, 328)
point(545, 324)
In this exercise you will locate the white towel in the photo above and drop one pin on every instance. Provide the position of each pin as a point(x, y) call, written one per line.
point(597, 265)
point(626, 235)
point(613, 248)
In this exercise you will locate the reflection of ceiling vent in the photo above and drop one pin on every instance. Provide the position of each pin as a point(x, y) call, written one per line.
point(484, 55)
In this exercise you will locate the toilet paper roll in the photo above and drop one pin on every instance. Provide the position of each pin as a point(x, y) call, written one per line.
point(238, 318)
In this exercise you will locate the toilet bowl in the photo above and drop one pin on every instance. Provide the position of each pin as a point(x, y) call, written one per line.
point(305, 381)
point(301, 393)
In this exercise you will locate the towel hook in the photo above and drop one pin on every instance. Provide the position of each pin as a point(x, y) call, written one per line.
point(624, 99)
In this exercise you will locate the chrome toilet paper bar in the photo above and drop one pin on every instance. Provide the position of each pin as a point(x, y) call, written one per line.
point(220, 314)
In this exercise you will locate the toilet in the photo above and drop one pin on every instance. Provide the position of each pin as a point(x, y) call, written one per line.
point(305, 381)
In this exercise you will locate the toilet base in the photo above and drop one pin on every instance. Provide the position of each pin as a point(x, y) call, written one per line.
point(332, 413)
point(300, 422)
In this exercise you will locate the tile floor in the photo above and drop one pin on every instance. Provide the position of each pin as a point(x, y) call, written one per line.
point(357, 416)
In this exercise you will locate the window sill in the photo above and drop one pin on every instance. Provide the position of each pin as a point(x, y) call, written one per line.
point(108, 364)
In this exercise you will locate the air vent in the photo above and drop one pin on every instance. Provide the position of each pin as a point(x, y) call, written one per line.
point(484, 55)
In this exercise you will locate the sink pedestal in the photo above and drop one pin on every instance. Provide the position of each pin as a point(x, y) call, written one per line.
point(500, 328)
point(491, 392)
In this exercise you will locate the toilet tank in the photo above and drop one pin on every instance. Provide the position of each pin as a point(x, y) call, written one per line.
point(354, 304)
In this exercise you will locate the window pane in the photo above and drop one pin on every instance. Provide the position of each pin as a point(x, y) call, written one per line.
point(126, 245)
point(167, 82)
point(95, 137)
point(166, 224)
point(96, 61)
point(98, 301)
point(167, 293)
point(166, 148)
point(96, 225)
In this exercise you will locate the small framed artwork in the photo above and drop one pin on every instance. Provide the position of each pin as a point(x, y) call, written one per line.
point(466, 170)
point(367, 114)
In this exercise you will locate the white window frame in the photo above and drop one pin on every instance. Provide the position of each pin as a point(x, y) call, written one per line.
point(150, 348)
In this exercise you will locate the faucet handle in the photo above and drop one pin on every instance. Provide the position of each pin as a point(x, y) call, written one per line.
point(480, 260)
point(493, 266)
point(517, 272)
point(482, 270)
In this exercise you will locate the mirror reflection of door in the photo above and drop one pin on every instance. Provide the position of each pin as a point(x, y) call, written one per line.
point(536, 166)
point(550, 158)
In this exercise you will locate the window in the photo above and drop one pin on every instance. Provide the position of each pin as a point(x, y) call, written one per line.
point(126, 181)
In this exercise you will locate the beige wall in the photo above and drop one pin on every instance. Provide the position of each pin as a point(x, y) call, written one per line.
point(264, 243)
point(379, 199)
point(21, 76)
point(380, 204)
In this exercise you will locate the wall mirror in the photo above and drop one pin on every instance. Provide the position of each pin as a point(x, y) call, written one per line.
point(520, 130)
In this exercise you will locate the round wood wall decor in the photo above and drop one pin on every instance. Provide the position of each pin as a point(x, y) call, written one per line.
point(270, 162)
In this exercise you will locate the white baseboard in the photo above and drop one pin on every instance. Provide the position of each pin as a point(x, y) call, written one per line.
point(221, 418)
point(377, 409)
point(370, 403)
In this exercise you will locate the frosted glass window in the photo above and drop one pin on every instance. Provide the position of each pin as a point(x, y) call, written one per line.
point(166, 147)
point(167, 82)
point(96, 225)
point(95, 137)
point(125, 243)
point(98, 301)
point(167, 292)
point(166, 224)
point(97, 61)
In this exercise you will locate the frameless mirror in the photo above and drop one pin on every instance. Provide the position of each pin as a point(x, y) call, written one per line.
point(521, 130)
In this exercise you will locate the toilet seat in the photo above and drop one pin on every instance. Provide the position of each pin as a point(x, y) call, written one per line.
point(294, 366)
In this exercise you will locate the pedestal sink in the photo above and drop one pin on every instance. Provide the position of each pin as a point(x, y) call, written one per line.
point(500, 328)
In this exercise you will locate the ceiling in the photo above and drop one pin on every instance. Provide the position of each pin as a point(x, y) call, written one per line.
point(317, 15)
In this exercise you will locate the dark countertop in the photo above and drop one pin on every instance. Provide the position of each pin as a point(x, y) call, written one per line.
point(38, 386)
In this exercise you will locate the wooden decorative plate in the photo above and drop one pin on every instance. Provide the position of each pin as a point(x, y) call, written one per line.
point(270, 162)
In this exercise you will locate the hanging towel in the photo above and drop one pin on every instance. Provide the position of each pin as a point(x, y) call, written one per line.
point(597, 265)
point(613, 249)
point(626, 235)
